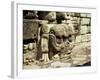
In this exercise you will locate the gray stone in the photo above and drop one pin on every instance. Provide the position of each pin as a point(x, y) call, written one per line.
point(89, 29)
point(89, 15)
point(81, 54)
point(89, 37)
point(78, 39)
point(83, 15)
point(85, 21)
point(30, 29)
point(58, 64)
point(84, 37)
point(83, 29)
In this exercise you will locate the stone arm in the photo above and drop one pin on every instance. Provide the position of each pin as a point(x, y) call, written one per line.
point(56, 46)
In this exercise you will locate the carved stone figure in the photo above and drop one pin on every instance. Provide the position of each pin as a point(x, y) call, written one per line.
point(44, 34)
point(61, 38)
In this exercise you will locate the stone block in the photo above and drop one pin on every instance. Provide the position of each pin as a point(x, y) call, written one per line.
point(77, 14)
point(84, 37)
point(83, 15)
point(81, 54)
point(72, 14)
point(88, 43)
point(43, 21)
point(88, 15)
point(85, 21)
point(28, 14)
point(89, 37)
point(68, 21)
point(30, 29)
point(78, 39)
point(83, 29)
point(75, 20)
point(88, 29)
point(58, 64)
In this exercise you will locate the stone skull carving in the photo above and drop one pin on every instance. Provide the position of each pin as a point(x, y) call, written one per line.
point(61, 39)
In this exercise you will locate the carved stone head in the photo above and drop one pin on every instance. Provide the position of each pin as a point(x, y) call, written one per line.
point(61, 39)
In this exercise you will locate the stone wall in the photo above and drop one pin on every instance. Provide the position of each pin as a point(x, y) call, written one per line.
point(81, 22)
point(85, 28)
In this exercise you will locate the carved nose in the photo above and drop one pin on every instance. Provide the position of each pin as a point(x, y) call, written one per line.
point(61, 40)
point(67, 43)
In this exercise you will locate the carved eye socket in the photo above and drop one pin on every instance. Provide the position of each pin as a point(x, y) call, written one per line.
point(70, 38)
point(52, 31)
point(58, 37)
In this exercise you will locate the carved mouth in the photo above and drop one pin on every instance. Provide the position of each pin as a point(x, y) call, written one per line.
point(63, 47)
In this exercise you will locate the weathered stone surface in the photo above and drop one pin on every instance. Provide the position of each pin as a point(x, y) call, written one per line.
point(83, 29)
point(88, 29)
point(78, 39)
point(61, 15)
point(47, 15)
point(81, 54)
point(30, 29)
point(44, 45)
point(50, 26)
point(58, 64)
point(84, 37)
point(89, 15)
point(71, 14)
point(43, 21)
point(83, 44)
point(74, 18)
point(25, 46)
point(89, 37)
point(29, 57)
point(69, 22)
point(85, 21)
point(51, 16)
point(74, 14)
point(33, 66)
point(29, 14)
point(55, 42)
point(83, 15)
point(30, 52)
